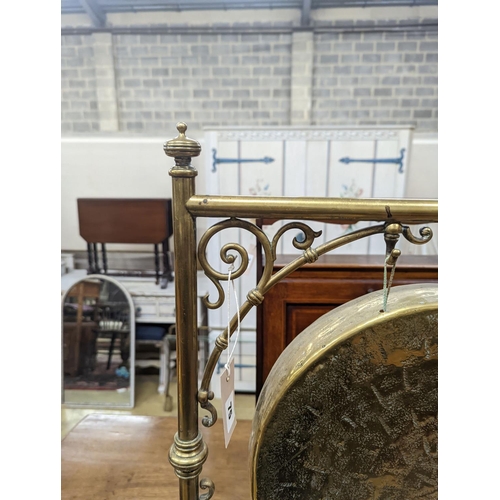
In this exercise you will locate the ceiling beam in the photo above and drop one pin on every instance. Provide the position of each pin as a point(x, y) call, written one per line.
point(306, 13)
point(95, 12)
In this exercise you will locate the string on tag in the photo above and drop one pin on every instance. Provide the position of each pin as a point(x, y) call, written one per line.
point(230, 354)
point(391, 260)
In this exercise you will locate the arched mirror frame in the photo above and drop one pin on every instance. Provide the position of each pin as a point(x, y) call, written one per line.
point(132, 346)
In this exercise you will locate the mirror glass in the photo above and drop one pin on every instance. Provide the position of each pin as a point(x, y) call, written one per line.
point(98, 344)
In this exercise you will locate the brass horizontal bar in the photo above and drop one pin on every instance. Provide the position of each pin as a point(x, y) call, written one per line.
point(327, 209)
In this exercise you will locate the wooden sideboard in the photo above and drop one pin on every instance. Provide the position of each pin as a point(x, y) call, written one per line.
point(313, 290)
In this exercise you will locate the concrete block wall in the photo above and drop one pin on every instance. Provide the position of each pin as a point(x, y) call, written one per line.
point(348, 67)
point(206, 80)
point(79, 108)
point(376, 78)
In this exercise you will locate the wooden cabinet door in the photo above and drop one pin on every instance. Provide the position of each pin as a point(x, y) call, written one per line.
point(308, 293)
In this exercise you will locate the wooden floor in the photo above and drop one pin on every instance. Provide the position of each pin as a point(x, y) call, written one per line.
point(149, 403)
point(126, 457)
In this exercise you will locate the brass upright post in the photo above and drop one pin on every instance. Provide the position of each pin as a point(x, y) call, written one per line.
point(188, 452)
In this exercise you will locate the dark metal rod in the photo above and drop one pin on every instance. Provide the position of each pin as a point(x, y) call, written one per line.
point(104, 258)
point(199, 30)
point(96, 258)
point(90, 257)
point(157, 264)
point(111, 347)
point(167, 272)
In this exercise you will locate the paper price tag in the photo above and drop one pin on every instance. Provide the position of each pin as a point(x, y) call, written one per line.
point(227, 396)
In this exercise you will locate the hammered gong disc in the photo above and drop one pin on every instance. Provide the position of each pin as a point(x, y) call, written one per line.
point(349, 410)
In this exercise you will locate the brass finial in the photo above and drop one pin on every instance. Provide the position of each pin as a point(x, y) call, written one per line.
point(182, 148)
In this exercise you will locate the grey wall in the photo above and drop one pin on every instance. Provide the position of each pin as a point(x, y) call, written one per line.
point(78, 85)
point(327, 74)
point(376, 78)
point(205, 79)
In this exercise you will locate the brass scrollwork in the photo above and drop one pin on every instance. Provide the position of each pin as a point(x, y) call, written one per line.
point(205, 484)
point(215, 276)
point(310, 255)
point(309, 234)
point(204, 398)
point(269, 250)
point(267, 281)
point(425, 233)
point(254, 297)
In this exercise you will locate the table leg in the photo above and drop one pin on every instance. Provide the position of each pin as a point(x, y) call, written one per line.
point(111, 347)
point(90, 256)
point(157, 264)
point(104, 258)
point(96, 259)
point(167, 271)
point(125, 347)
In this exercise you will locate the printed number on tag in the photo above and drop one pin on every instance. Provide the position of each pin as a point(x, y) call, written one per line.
point(227, 395)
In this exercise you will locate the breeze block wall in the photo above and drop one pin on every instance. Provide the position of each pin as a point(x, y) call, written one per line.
point(142, 78)
point(79, 111)
point(376, 78)
point(207, 79)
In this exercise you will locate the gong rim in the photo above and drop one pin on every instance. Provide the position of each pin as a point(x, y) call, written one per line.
point(324, 335)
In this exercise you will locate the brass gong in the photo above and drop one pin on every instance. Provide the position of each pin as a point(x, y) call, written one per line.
point(349, 410)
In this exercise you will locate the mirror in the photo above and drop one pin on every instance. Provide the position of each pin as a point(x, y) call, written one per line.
point(98, 344)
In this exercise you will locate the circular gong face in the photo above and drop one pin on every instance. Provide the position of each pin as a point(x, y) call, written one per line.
point(349, 410)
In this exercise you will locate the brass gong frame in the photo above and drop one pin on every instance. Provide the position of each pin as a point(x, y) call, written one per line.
point(189, 452)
